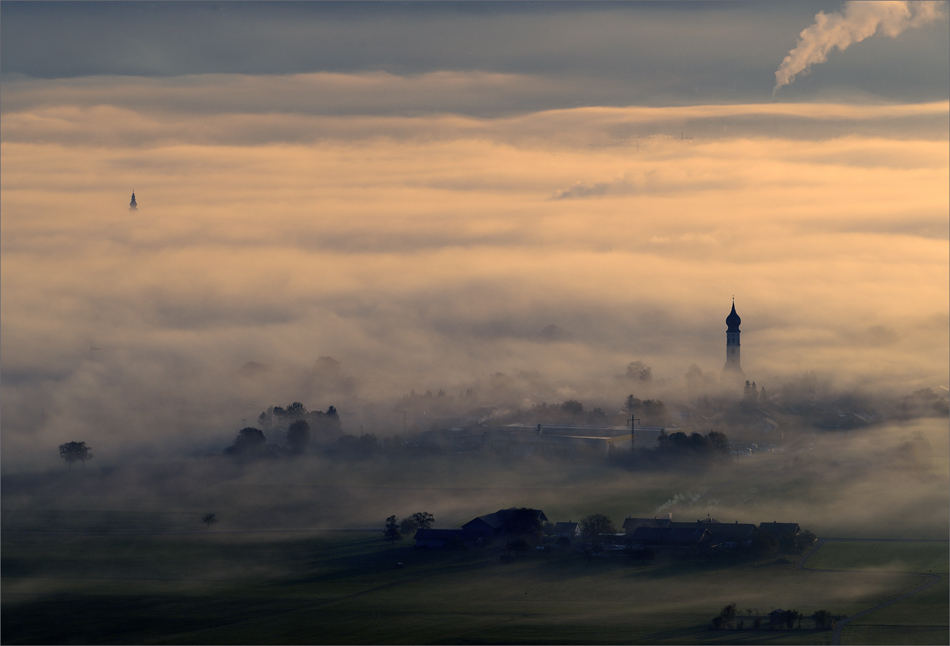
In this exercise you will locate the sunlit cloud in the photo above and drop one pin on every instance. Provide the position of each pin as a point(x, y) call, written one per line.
point(432, 250)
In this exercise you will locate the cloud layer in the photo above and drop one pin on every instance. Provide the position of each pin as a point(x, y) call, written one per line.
point(431, 251)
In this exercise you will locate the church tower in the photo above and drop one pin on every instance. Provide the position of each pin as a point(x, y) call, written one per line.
point(732, 367)
point(132, 205)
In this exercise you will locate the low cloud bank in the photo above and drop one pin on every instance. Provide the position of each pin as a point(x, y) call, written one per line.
point(427, 253)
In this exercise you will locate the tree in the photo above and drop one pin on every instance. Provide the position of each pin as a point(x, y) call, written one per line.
point(572, 407)
point(73, 451)
point(422, 519)
point(787, 543)
point(517, 546)
point(209, 519)
point(805, 540)
point(597, 524)
point(633, 403)
point(298, 436)
point(418, 520)
point(790, 616)
point(750, 393)
point(717, 442)
point(763, 544)
point(728, 613)
point(821, 618)
point(249, 441)
point(392, 533)
point(523, 522)
point(639, 371)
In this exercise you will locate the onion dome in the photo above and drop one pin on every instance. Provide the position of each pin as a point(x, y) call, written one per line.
point(733, 319)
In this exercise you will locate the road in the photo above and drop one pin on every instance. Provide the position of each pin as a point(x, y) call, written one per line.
point(929, 581)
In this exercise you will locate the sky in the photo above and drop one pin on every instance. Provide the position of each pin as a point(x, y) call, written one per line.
point(417, 190)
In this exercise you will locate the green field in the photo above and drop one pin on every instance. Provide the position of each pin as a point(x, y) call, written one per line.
point(892, 557)
point(176, 581)
point(347, 588)
point(919, 619)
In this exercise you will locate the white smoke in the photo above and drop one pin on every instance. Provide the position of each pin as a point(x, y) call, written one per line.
point(859, 21)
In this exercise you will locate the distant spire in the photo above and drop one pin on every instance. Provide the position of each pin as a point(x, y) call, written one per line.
point(733, 320)
point(132, 205)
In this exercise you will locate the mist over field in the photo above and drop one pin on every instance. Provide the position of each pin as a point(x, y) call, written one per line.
point(455, 227)
point(429, 253)
point(392, 267)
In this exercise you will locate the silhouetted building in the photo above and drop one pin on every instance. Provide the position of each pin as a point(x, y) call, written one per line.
point(733, 369)
point(132, 205)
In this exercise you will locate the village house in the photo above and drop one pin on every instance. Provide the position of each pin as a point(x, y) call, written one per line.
point(631, 524)
point(723, 535)
point(478, 531)
point(567, 530)
point(671, 537)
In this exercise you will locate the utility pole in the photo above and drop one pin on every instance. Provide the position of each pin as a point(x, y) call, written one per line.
point(633, 432)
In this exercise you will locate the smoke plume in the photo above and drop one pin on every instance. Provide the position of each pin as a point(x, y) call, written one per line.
point(859, 21)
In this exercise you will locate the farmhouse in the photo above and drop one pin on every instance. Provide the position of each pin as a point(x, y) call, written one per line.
point(491, 525)
point(476, 531)
point(672, 537)
point(724, 534)
point(631, 524)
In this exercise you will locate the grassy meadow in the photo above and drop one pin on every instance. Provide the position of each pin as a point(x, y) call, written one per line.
point(919, 619)
point(120, 555)
point(345, 587)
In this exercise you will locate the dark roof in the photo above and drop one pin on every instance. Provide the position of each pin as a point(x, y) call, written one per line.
point(671, 535)
point(489, 525)
point(496, 521)
point(733, 319)
point(492, 520)
point(779, 529)
point(632, 523)
point(505, 513)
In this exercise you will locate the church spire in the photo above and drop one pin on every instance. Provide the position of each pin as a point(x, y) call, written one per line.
point(733, 320)
point(132, 205)
point(733, 366)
